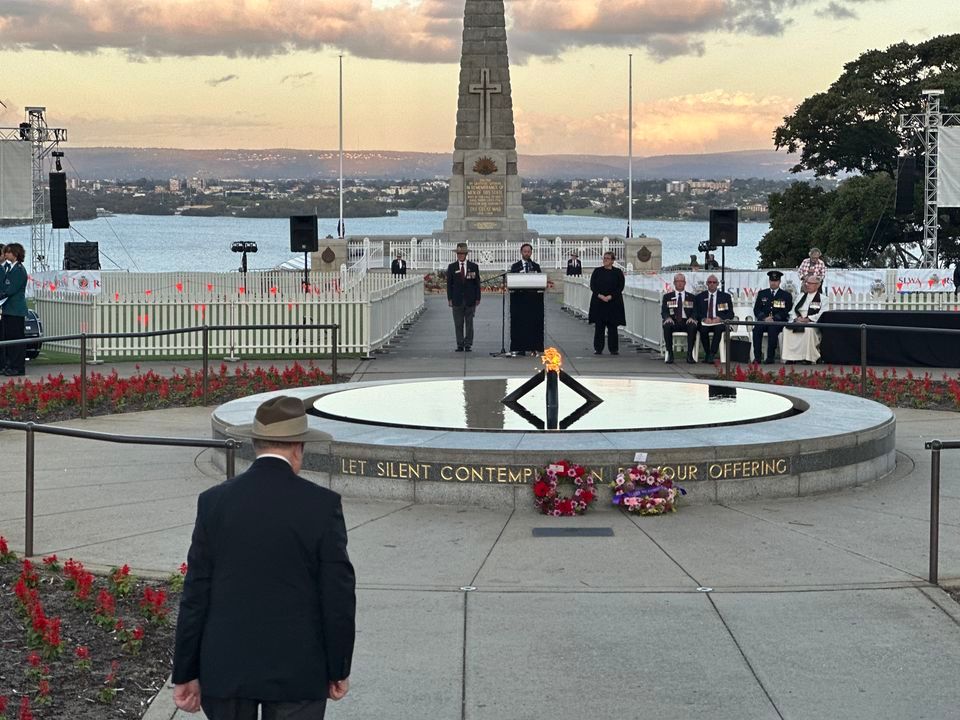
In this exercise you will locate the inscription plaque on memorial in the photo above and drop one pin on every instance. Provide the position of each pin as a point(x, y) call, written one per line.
point(485, 197)
point(525, 475)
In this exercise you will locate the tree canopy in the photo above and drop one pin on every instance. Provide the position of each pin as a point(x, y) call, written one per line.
point(853, 126)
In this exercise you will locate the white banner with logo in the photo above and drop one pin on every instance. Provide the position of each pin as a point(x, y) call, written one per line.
point(744, 285)
point(83, 282)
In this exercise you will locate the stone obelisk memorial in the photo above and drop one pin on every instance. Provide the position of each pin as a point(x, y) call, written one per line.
point(485, 202)
point(485, 199)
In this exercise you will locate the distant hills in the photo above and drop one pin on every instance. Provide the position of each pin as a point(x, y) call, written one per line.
point(161, 163)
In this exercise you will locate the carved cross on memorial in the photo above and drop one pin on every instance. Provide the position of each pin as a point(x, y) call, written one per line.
point(485, 89)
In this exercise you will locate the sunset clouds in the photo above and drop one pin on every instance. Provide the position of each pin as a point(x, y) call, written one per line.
point(709, 75)
point(717, 121)
point(426, 31)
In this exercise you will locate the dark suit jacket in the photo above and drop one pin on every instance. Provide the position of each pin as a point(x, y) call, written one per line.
point(267, 610)
point(689, 303)
point(518, 266)
point(398, 267)
point(574, 267)
point(724, 309)
point(462, 291)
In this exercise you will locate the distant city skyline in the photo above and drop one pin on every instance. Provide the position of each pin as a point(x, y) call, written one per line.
point(709, 75)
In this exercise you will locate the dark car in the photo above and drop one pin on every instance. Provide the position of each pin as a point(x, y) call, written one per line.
point(33, 328)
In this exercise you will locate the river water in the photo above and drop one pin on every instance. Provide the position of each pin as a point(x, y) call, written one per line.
point(149, 243)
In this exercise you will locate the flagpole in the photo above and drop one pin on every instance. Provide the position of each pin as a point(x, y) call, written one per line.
point(341, 230)
point(630, 150)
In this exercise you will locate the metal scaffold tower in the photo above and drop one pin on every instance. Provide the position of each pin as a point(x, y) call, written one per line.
point(43, 140)
point(927, 125)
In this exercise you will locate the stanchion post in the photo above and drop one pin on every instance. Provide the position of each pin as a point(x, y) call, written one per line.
point(83, 376)
point(726, 346)
point(231, 458)
point(934, 511)
point(334, 352)
point(28, 522)
point(863, 361)
point(206, 361)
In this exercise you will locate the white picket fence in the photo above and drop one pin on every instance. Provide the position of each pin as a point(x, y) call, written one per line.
point(369, 308)
point(645, 326)
point(429, 253)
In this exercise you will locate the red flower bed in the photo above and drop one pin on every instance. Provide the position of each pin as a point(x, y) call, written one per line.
point(60, 661)
point(888, 387)
point(56, 398)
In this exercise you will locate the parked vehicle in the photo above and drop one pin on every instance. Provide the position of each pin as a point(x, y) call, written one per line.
point(33, 328)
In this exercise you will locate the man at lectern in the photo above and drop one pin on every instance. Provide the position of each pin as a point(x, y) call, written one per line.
point(526, 308)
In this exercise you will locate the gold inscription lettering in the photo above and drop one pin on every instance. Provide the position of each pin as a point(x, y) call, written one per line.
point(484, 197)
point(743, 469)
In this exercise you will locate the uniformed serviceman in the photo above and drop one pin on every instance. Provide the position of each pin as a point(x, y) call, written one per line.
point(772, 304)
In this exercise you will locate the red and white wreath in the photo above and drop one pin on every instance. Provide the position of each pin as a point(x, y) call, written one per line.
point(551, 492)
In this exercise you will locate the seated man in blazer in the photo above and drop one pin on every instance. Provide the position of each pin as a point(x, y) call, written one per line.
point(267, 612)
point(679, 315)
point(713, 307)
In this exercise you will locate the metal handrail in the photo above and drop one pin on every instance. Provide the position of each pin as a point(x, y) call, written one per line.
point(229, 445)
point(840, 326)
point(935, 446)
point(205, 329)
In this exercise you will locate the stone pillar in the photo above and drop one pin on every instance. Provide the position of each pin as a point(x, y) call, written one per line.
point(645, 253)
point(332, 254)
point(484, 201)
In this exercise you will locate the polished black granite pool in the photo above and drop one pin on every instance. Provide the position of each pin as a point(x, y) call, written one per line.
point(474, 404)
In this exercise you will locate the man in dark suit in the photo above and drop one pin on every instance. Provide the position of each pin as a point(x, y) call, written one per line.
point(574, 266)
point(463, 295)
point(713, 306)
point(679, 315)
point(399, 265)
point(526, 308)
point(267, 612)
point(772, 304)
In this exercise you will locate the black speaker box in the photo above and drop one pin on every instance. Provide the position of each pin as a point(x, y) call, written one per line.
point(58, 201)
point(303, 233)
point(723, 228)
point(906, 180)
point(81, 256)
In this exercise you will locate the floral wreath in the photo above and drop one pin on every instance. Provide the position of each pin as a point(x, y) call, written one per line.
point(546, 490)
point(645, 491)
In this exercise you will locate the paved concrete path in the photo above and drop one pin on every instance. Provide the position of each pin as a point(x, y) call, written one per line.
point(817, 607)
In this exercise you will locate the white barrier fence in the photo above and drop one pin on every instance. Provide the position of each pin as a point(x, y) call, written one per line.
point(370, 310)
point(644, 292)
point(429, 253)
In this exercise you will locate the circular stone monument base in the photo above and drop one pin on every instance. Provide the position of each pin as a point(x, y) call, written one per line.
point(424, 441)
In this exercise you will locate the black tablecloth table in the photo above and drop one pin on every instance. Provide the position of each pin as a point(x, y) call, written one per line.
point(841, 346)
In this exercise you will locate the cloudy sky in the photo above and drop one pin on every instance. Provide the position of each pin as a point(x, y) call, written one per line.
point(709, 75)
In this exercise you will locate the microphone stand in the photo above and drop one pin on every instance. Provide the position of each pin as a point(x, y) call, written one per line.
point(503, 312)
